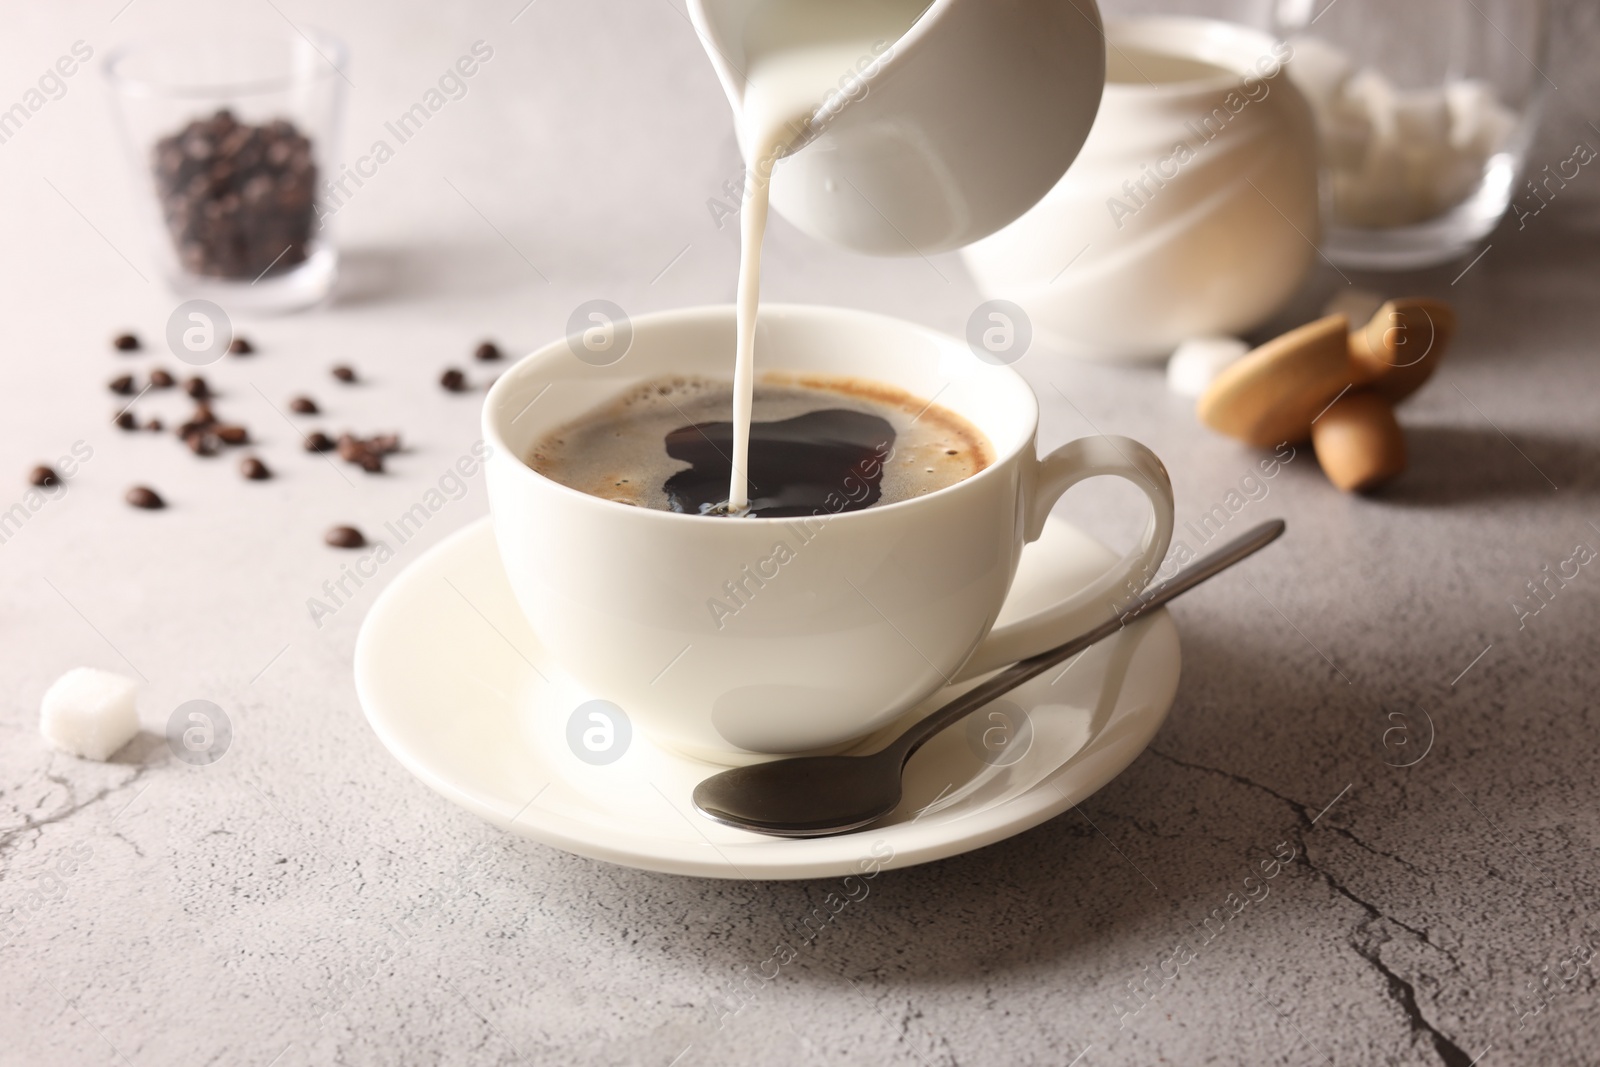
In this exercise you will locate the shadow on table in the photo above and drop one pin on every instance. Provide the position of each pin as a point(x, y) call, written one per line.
point(1452, 465)
point(145, 747)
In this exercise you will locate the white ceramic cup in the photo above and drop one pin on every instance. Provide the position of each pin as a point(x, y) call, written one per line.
point(860, 614)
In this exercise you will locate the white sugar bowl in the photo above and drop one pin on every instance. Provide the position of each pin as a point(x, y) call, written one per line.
point(1192, 209)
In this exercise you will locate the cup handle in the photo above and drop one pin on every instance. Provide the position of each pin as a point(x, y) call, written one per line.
point(1087, 457)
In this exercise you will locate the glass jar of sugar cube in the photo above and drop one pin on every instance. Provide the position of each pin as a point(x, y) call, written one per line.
point(1425, 110)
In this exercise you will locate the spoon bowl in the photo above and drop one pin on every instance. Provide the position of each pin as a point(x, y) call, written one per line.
point(807, 796)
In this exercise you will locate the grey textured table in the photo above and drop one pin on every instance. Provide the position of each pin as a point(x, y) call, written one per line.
point(304, 900)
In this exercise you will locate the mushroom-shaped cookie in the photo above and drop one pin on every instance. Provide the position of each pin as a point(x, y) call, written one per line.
point(1337, 387)
point(1401, 347)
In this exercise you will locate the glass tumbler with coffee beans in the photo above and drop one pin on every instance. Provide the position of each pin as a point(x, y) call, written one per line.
point(234, 140)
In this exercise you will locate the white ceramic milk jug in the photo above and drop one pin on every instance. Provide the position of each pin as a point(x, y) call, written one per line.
point(946, 121)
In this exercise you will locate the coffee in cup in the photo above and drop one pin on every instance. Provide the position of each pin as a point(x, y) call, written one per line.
point(818, 446)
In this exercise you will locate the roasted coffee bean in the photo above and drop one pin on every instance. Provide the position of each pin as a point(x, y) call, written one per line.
point(144, 497)
point(303, 405)
point(254, 469)
point(370, 462)
point(384, 443)
point(344, 537)
point(202, 442)
point(317, 441)
point(453, 380)
point(160, 379)
point(203, 415)
point(344, 373)
point(239, 346)
point(123, 385)
point(126, 420)
point(239, 199)
point(153, 425)
point(197, 387)
point(44, 476)
point(125, 342)
point(232, 435)
point(487, 352)
point(350, 447)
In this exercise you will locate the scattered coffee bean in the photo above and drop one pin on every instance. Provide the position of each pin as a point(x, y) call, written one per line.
point(368, 452)
point(125, 342)
point(153, 425)
point(160, 379)
point(44, 476)
point(344, 537)
point(202, 442)
point(303, 405)
point(239, 199)
point(232, 435)
point(203, 418)
point(197, 387)
point(126, 420)
point(144, 497)
point(123, 385)
point(254, 469)
point(487, 352)
point(240, 346)
point(344, 373)
point(453, 380)
point(317, 441)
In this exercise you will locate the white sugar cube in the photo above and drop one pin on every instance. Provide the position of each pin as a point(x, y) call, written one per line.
point(89, 712)
point(1477, 119)
point(1374, 95)
point(1199, 360)
point(1423, 115)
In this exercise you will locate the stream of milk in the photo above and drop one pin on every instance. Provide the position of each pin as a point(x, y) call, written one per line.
point(797, 53)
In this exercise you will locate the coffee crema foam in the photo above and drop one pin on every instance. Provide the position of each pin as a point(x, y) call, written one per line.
point(618, 450)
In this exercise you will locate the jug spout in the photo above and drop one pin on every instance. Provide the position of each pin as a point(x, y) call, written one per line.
point(917, 127)
point(847, 44)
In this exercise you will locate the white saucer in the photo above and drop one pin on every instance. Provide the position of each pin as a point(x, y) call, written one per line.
point(456, 686)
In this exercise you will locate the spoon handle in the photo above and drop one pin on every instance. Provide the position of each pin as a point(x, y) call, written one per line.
point(1214, 563)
